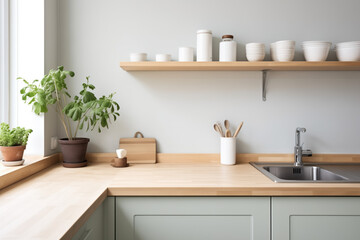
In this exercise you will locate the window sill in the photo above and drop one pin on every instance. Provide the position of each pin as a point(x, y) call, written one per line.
point(32, 165)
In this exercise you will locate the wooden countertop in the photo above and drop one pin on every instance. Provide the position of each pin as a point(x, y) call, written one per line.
point(54, 203)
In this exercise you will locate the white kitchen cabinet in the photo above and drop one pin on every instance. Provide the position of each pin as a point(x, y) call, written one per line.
point(190, 218)
point(316, 218)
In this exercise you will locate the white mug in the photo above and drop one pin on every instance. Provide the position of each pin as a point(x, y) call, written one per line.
point(228, 150)
point(121, 153)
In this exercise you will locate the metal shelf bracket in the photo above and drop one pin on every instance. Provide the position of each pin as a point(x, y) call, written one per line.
point(264, 81)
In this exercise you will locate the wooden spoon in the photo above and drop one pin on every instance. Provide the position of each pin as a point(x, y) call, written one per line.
point(238, 129)
point(216, 127)
point(220, 129)
point(228, 133)
point(227, 127)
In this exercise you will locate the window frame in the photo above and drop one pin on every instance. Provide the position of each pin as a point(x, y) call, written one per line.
point(4, 61)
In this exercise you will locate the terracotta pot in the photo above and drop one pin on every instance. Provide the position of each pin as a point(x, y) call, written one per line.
point(74, 151)
point(13, 153)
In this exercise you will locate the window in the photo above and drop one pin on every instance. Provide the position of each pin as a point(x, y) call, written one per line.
point(4, 61)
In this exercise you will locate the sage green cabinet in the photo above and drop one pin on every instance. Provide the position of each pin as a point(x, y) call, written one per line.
point(190, 218)
point(316, 218)
point(101, 223)
point(214, 218)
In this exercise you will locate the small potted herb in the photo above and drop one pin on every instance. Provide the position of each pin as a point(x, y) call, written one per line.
point(13, 142)
point(85, 110)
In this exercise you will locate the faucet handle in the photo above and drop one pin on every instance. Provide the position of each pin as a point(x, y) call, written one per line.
point(307, 153)
point(301, 129)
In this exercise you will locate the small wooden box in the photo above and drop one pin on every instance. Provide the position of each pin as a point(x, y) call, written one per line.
point(139, 150)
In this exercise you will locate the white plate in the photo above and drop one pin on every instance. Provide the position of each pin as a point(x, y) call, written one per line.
point(12, 163)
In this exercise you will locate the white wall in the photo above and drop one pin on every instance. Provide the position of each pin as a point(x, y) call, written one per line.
point(179, 108)
point(51, 29)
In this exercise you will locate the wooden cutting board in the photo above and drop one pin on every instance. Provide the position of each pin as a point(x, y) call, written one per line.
point(139, 149)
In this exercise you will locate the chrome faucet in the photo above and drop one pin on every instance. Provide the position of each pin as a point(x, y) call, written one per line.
point(298, 152)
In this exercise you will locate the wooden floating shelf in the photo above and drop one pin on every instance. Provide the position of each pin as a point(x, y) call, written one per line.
point(241, 66)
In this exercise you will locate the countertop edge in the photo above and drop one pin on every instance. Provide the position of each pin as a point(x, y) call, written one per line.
point(85, 216)
point(233, 191)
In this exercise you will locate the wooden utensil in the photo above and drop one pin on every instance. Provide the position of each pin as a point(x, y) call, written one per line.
point(217, 129)
point(238, 129)
point(227, 127)
point(228, 133)
point(139, 149)
point(227, 124)
point(220, 129)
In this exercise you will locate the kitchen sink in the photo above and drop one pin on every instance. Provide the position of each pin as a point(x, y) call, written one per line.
point(309, 173)
point(322, 173)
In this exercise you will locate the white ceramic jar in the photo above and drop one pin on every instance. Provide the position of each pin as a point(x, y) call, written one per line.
point(204, 46)
point(186, 54)
point(163, 57)
point(227, 49)
point(228, 150)
point(138, 57)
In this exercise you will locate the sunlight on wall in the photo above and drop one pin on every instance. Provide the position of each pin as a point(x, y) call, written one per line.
point(30, 66)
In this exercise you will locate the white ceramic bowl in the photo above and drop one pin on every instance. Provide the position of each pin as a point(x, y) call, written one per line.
point(315, 43)
point(282, 51)
point(255, 52)
point(316, 51)
point(273, 51)
point(285, 54)
point(348, 53)
point(138, 57)
point(348, 44)
point(255, 45)
point(255, 58)
point(163, 57)
point(285, 44)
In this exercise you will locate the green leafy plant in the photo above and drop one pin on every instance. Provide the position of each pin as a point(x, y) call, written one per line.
point(13, 137)
point(86, 110)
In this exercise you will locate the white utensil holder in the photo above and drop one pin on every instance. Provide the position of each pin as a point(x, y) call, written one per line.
point(228, 150)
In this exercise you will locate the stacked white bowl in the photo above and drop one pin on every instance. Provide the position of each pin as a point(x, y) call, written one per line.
point(348, 51)
point(282, 51)
point(316, 51)
point(255, 52)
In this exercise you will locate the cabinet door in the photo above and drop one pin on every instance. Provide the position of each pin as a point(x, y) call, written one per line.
point(316, 218)
point(190, 218)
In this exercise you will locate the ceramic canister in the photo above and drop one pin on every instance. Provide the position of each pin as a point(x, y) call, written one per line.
point(204, 46)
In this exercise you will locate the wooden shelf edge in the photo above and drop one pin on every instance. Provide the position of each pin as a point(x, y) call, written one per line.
point(241, 66)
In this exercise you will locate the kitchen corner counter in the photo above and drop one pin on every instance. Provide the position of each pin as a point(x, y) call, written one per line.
point(55, 202)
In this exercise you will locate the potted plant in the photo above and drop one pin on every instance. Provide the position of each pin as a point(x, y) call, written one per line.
point(13, 142)
point(85, 110)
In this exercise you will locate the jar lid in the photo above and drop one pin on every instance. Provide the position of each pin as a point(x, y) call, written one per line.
point(204, 31)
point(228, 36)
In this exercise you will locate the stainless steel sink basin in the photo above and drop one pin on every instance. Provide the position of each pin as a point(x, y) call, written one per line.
point(323, 173)
point(305, 173)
